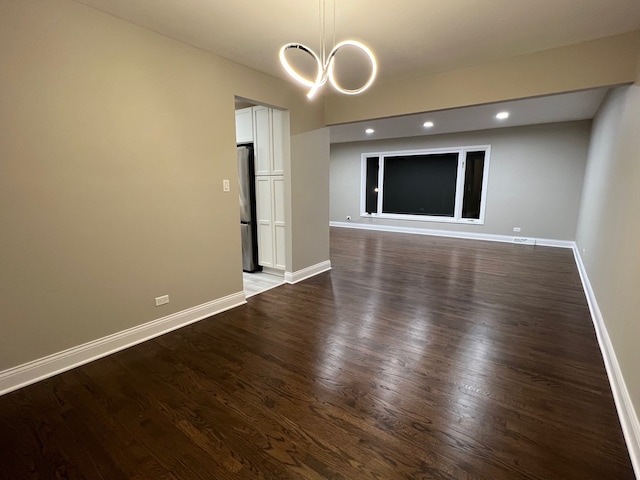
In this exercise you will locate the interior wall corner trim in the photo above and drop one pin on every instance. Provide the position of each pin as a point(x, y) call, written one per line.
point(626, 413)
point(300, 275)
point(42, 368)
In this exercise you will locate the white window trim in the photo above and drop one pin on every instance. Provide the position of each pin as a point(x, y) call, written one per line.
point(457, 218)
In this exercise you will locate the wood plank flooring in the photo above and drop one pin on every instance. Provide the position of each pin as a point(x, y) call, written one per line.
point(414, 358)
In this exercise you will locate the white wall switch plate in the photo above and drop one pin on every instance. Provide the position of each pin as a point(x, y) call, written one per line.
point(225, 185)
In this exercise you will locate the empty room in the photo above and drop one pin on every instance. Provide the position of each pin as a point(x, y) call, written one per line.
point(405, 247)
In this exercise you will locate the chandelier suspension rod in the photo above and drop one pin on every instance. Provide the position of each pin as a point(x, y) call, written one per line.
point(322, 7)
point(322, 30)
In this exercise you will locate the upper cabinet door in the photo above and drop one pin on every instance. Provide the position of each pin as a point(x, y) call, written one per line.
point(262, 146)
point(278, 129)
point(244, 125)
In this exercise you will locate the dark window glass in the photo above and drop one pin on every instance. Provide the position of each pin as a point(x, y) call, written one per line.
point(420, 184)
point(474, 169)
point(371, 203)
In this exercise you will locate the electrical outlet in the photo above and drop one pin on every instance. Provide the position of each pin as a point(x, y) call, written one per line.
point(164, 299)
point(225, 185)
point(516, 229)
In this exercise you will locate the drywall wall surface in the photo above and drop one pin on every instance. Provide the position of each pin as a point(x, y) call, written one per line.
point(114, 142)
point(597, 63)
point(263, 89)
point(609, 226)
point(310, 198)
point(535, 178)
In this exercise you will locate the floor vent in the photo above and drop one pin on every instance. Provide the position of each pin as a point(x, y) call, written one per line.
point(524, 240)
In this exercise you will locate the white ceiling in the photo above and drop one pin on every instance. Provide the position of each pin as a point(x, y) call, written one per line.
point(554, 108)
point(409, 37)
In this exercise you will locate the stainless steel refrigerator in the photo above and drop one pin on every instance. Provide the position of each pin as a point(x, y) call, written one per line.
point(248, 226)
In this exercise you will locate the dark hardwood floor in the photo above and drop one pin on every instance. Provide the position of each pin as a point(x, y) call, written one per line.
point(415, 357)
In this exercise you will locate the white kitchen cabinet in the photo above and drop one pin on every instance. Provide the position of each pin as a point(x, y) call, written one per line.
point(244, 125)
point(270, 193)
point(278, 139)
point(265, 221)
point(279, 225)
point(269, 144)
point(262, 142)
point(269, 140)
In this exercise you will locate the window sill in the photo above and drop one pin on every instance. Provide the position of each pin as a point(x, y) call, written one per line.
point(421, 218)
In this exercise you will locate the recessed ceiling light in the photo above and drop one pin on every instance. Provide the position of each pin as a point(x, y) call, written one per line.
point(369, 131)
point(502, 115)
point(427, 124)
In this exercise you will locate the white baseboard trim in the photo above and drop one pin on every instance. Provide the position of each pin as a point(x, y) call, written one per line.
point(300, 275)
point(273, 271)
point(32, 372)
point(545, 242)
point(626, 412)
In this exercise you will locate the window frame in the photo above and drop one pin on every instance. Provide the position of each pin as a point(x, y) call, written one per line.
point(460, 180)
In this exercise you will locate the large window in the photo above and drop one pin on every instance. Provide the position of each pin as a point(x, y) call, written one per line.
point(445, 185)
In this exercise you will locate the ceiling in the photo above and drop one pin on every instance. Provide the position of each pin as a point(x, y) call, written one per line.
point(409, 37)
point(530, 111)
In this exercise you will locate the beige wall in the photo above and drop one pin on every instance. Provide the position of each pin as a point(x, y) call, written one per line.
point(535, 178)
point(113, 145)
point(603, 62)
point(609, 226)
point(310, 198)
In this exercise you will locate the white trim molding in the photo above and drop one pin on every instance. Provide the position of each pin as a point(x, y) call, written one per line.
point(300, 275)
point(32, 372)
point(626, 412)
point(461, 153)
point(544, 242)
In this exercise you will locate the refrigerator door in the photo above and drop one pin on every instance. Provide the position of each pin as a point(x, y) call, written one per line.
point(249, 263)
point(247, 196)
point(244, 182)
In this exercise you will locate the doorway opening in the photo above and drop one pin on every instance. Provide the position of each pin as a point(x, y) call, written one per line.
point(262, 138)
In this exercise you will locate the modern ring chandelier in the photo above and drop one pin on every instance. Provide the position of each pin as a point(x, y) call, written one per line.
point(325, 66)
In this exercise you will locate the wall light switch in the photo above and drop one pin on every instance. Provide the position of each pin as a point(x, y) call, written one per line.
point(225, 185)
